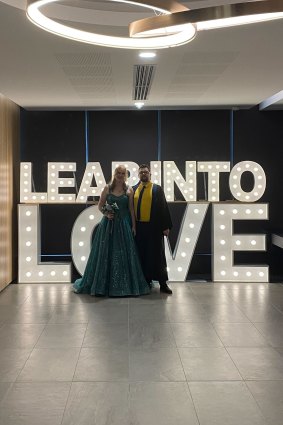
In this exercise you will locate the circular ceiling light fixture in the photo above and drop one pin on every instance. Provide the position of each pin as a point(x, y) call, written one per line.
point(173, 23)
point(164, 40)
point(210, 17)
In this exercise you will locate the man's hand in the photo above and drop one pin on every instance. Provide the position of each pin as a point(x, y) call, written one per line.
point(166, 232)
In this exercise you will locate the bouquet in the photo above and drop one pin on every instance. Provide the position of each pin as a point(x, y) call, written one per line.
point(110, 208)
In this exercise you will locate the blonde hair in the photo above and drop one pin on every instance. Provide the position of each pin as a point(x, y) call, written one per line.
point(112, 184)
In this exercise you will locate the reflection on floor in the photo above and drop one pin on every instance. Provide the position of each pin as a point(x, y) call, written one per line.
point(211, 354)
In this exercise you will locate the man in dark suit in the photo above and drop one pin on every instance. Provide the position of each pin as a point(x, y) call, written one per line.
point(153, 222)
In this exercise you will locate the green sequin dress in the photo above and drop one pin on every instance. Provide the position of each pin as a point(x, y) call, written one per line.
point(113, 268)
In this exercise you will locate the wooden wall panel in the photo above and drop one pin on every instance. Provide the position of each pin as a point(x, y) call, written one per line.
point(9, 189)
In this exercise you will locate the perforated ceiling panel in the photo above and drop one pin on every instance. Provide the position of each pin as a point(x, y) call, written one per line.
point(197, 72)
point(89, 74)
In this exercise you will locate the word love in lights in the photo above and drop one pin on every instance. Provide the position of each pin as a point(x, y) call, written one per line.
point(225, 242)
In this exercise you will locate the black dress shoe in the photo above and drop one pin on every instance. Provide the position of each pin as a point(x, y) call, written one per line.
point(165, 288)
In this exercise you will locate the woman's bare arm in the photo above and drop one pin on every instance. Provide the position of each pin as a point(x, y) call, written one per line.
point(102, 199)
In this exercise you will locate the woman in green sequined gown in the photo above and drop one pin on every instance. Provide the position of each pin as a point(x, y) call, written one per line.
point(113, 268)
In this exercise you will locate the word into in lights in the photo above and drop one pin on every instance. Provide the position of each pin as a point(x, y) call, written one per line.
point(225, 242)
point(173, 24)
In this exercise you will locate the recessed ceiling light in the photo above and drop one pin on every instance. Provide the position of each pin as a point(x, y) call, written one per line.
point(147, 55)
point(139, 105)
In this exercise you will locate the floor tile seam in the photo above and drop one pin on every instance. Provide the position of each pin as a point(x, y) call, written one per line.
point(131, 381)
point(86, 321)
point(270, 348)
point(231, 297)
point(262, 334)
point(15, 304)
point(237, 346)
point(249, 320)
point(63, 347)
point(277, 308)
point(69, 325)
point(7, 392)
point(222, 348)
point(38, 382)
point(195, 346)
point(207, 322)
point(179, 356)
point(211, 286)
point(263, 379)
point(79, 354)
point(29, 323)
point(124, 381)
point(16, 379)
point(256, 402)
point(252, 379)
point(224, 381)
point(175, 342)
point(208, 382)
point(212, 325)
point(193, 403)
point(55, 348)
point(150, 349)
point(32, 348)
point(236, 367)
point(214, 380)
point(67, 399)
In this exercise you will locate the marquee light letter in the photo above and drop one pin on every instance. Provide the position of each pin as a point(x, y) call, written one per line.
point(213, 169)
point(225, 243)
point(171, 175)
point(82, 236)
point(92, 171)
point(179, 262)
point(155, 167)
point(55, 182)
point(26, 194)
point(30, 268)
point(259, 181)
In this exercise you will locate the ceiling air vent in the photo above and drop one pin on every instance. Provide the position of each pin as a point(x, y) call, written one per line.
point(143, 76)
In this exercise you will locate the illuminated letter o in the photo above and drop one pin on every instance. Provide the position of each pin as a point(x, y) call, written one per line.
point(82, 236)
point(259, 181)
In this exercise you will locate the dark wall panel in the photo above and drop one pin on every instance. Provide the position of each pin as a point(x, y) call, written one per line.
point(122, 136)
point(197, 136)
point(51, 137)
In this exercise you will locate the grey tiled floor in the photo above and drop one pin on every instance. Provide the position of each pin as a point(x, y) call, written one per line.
point(211, 354)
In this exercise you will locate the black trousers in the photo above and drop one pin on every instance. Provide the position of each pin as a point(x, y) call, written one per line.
point(150, 244)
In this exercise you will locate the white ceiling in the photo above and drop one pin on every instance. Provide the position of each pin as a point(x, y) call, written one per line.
point(238, 67)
